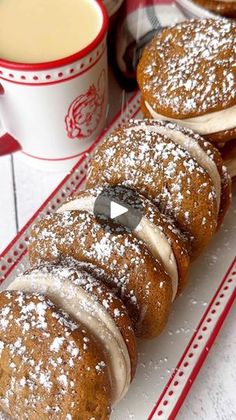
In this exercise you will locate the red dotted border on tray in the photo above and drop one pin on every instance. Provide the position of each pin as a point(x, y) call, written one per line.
point(164, 407)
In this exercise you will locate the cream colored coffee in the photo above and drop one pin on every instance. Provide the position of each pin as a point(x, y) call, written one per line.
point(36, 31)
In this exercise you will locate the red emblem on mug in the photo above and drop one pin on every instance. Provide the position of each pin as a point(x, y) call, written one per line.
point(85, 112)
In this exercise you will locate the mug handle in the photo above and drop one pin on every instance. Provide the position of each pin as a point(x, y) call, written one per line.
point(8, 144)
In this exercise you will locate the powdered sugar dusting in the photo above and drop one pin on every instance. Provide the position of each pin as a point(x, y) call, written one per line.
point(143, 158)
point(103, 247)
point(165, 172)
point(190, 69)
point(40, 366)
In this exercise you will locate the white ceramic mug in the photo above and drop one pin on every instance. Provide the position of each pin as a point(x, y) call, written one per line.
point(112, 6)
point(52, 112)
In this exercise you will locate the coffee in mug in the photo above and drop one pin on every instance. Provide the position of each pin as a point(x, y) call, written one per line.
point(35, 31)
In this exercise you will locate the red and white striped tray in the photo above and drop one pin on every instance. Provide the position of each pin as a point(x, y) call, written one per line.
point(168, 365)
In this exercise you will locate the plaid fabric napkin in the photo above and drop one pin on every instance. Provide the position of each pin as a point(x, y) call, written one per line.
point(138, 21)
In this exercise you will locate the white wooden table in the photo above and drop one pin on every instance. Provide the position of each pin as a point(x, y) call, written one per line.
point(23, 190)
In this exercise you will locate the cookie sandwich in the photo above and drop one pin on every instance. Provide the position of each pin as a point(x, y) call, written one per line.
point(187, 75)
point(178, 170)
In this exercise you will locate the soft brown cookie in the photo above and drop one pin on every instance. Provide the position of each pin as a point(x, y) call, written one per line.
point(51, 368)
point(124, 261)
point(178, 170)
point(220, 7)
point(91, 303)
point(157, 231)
point(187, 75)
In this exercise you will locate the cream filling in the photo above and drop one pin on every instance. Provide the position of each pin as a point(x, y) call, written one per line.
point(159, 246)
point(79, 304)
point(193, 148)
point(213, 122)
point(148, 232)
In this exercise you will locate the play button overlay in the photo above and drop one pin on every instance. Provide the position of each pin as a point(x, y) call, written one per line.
point(121, 205)
point(117, 210)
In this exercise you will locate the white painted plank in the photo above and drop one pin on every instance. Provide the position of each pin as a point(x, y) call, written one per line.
point(7, 209)
point(33, 188)
point(213, 393)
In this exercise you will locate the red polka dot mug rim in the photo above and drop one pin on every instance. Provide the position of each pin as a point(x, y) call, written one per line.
point(50, 65)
